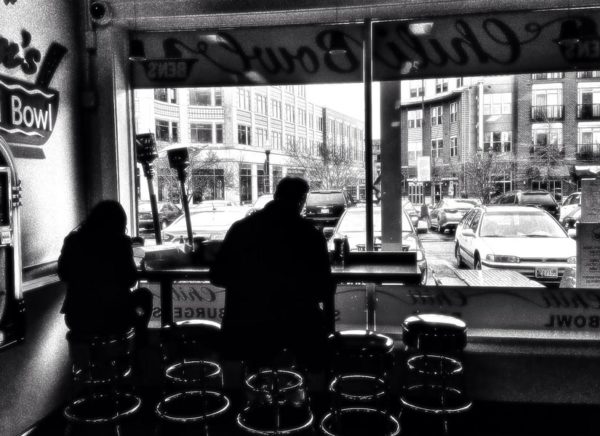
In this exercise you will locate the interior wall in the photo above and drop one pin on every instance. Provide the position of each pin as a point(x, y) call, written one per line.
point(51, 176)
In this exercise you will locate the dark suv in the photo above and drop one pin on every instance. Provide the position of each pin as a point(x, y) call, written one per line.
point(324, 208)
point(538, 198)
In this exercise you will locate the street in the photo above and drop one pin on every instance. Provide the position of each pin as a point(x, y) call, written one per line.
point(439, 252)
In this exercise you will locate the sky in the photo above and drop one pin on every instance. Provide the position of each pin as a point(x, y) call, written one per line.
point(347, 98)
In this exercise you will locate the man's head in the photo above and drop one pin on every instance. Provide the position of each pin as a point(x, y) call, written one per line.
point(291, 193)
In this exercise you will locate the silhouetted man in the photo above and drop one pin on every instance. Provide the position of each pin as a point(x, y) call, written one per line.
point(275, 267)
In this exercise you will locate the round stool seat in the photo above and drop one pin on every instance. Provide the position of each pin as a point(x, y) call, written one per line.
point(193, 371)
point(264, 420)
point(358, 387)
point(435, 399)
point(361, 342)
point(282, 386)
point(192, 407)
point(434, 333)
point(359, 421)
point(102, 408)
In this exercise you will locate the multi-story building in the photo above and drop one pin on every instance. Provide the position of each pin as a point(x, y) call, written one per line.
point(246, 138)
point(543, 131)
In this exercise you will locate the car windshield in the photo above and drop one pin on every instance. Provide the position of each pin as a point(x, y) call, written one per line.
point(209, 219)
point(520, 225)
point(145, 207)
point(354, 221)
point(262, 201)
point(535, 198)
point(456, 204)
point(324, 198)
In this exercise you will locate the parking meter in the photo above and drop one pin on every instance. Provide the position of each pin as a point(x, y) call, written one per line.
point(147, 153)
point(179, 159)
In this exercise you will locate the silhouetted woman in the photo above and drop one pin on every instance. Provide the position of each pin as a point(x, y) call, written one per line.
point(96, 262)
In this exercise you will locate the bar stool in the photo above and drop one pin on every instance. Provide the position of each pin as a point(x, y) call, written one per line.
point(360, 368)
point(100, 364)
point(277, 402)
point(193, 396)
point(434, 377)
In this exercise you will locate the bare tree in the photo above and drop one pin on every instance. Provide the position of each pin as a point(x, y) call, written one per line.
point(480, 172)
point(328, 168)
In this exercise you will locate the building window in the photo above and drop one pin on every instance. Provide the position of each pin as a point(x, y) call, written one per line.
point(289, 113)
point(320, 124)
point(441, 85)
point(200, 97)
point(453, 112)
point(415, 150)
point(301, 90)
point(245, 183)
point(261, 137)
point(546, 104)
point(162, 130)
point(547, 76)
point(261, 104)
point(277, 174)
point(244, 137)
point(311, 120)
point(459, 82)
point(588, 101)
point(276, 140)
point(453, 146)
point(167, 95)
point(543, 134)
point(276, 109)
point(436, 115)
point(174, 131)
point(302, 145)
point(289, 88)
point(289, 143)
point(497, 104)
point(201, 133)
point(499, 142)
point(244, 98)
point(208, 184)
point(218, 97)
point(301, 117)
point(416, 89)
point(415, 119)
point(436, 147)
point(219, 133)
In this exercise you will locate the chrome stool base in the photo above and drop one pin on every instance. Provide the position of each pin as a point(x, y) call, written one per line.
point(358, 387)
point(435, 400)
point(191, 407)
point(105, 408)
point(359, 421)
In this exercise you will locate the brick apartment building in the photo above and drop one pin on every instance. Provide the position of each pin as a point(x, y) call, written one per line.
point(241, 127)
point(543, 130)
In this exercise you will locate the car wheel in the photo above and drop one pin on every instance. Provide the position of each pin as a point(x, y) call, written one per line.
point(477, 263)
point(459, 261)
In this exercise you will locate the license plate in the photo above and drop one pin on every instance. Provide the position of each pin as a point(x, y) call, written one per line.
point(546, 272)
point(324, 210)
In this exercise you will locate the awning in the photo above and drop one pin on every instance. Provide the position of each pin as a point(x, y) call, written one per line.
point(587, 170)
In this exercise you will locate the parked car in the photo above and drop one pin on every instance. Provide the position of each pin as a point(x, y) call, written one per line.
point(260, 203)
point(352, 226)
point(324, 208)
point(446, 214)
point(519, 238)
point(571, 220)
point(411, 211)
point(211, 224)
point(539, 198)
point(167, 213)
point(213, 204)
point(572, 202)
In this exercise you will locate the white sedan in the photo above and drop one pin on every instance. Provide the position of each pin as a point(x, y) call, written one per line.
point(519, 238)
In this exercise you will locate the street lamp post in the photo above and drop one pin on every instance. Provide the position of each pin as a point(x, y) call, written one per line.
point(267, 173)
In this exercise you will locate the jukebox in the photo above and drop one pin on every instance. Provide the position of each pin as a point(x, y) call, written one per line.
point(12, 307)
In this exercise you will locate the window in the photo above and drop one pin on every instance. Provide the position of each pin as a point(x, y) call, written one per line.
point(276, 109)
point(544, 134)
point(459, 82)
point(261, 137)
point(588, 74)
point(200, 97)
point(244, 98)
point(546, 103)
point(415, 150)
point(436, 115)
point(453, 112)
point(244, 137)
point(547, 76)
point(219, 133)
point(301, 117)
point(415, 119)
point(416, 89)
point(162, 130)
point(311, 120)
point(276, 140)
point(302, 145)
point(500, 142)
point(261, 104)
point(301, 90)
point(174, 131)
point(497, 104)
point(277, 174)
point(167, 95)
point(289, 88)
point(441, 85)
point(320, 124)
point(218, 97)
point(245, 183)
point(289, 113)
point(201, 133)
point(290, 143)
point(453, 146)
point(436, 147)
point(208, 184)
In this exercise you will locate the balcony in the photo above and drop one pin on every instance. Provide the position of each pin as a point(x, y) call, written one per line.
point(588, 111)
point(588, 152)
point(547, 76)
point(549, 151)
point(547, 113)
